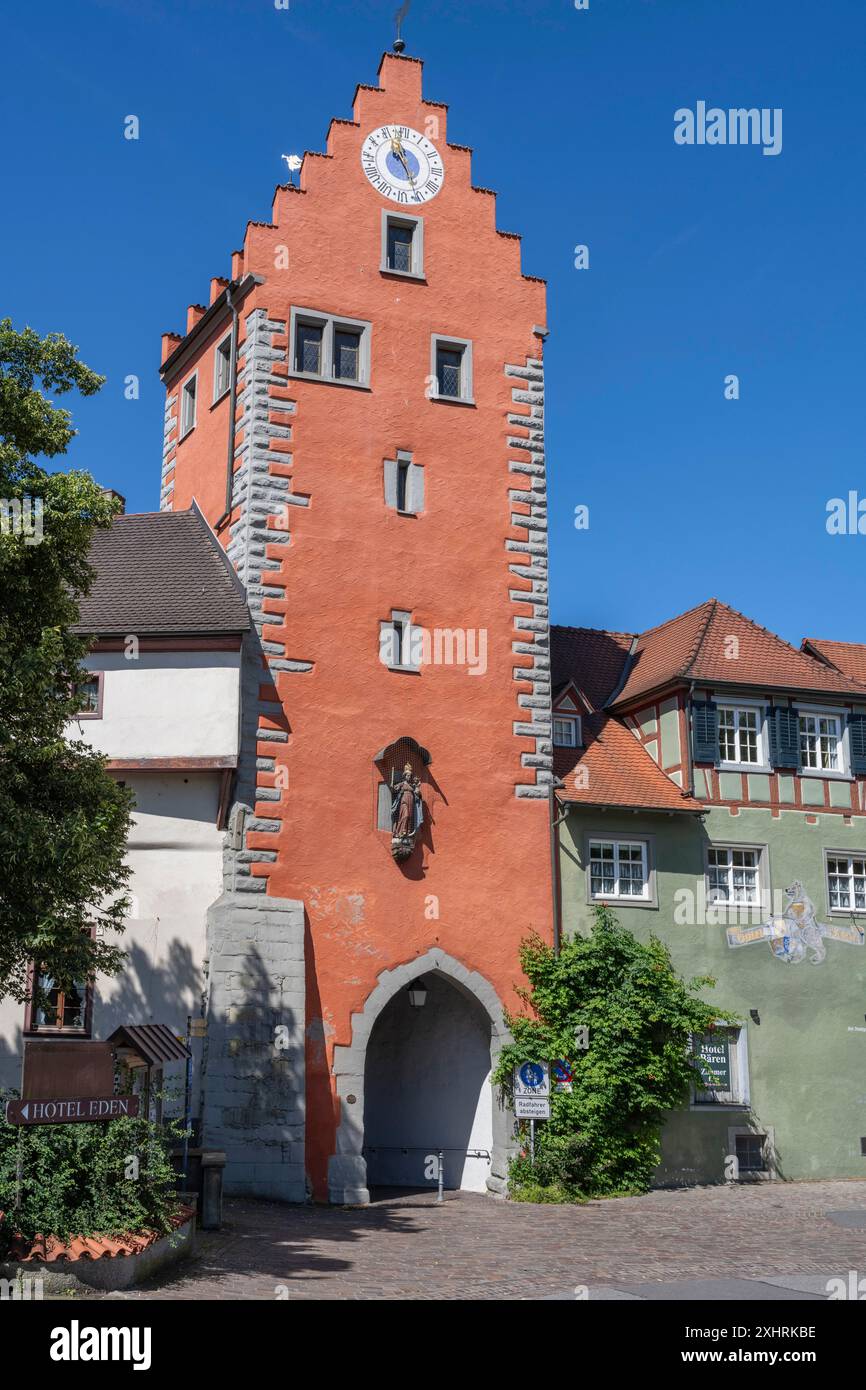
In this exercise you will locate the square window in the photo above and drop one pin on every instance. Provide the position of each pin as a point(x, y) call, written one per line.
point(820, 743)
point(565, 731)
point(618, 869)
point(740, 735)
point(846, 882)
point(451, 369)
point(222, 368)
point(402, 245)
point(89, 698)
point(56, 1009)
point(750, 1152)
point(733, 875)
point(448, 364)
point(187, 405)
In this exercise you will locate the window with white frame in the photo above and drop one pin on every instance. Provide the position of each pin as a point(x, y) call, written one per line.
point(820, 742)
point(566, 730)
point(733, 875)
point(451, 369)
point(222, 368)
point(402, 245)
point(329, 348)
point(187, 405)
point(846, 882)
point(618, 869)
point(740, 735)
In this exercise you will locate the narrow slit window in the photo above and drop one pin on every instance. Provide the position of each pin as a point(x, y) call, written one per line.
point(402, 486)
point(187, 407)
point(222, 368)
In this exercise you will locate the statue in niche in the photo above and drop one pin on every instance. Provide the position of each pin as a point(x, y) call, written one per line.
point(407, 812)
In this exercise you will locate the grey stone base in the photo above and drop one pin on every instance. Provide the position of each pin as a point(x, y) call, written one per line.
point(253, 1065)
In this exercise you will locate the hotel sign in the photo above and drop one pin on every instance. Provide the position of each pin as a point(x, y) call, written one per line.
point(65, 1111)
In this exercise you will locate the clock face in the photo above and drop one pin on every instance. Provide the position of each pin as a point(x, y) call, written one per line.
point(402, 164)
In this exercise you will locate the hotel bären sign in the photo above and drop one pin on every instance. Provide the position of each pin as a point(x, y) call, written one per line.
point(86, 1110)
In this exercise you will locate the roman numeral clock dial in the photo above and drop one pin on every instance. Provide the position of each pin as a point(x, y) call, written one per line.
point(402, 164)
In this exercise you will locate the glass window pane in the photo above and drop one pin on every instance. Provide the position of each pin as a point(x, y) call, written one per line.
point(399, 248)
point(309, 349)
point(448, 372)
point(347, 354)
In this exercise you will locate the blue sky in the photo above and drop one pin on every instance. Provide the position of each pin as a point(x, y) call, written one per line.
point(704, 261)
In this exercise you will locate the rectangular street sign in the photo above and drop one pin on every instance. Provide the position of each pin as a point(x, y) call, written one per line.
point(531, 1108)
point(61, 1111)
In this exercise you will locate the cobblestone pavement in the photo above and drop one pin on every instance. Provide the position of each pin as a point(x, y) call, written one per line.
point(476, 1247)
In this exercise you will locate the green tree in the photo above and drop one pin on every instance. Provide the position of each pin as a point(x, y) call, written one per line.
point(63, 820)
point(631, 1066)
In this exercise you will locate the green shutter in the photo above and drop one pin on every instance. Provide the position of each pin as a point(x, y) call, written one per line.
point(784, 727)
point(857, 741)
point(705, 732)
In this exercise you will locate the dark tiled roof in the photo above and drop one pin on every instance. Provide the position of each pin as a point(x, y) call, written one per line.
point(162, 574)
point(592, 659)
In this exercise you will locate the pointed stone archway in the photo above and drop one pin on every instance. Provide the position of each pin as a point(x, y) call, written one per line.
point(347, 1167)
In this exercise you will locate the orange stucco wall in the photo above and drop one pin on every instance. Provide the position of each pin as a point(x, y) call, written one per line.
point(481, 878)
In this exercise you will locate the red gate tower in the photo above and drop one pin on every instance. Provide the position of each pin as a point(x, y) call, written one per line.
point(359, 415)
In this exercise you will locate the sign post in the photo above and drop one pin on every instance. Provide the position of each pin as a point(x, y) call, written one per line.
point(532, 1097)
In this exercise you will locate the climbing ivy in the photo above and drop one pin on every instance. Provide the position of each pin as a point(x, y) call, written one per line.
point(631, 1065)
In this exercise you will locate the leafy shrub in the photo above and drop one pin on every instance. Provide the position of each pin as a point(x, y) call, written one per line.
point(603, 1137)
point(86, 1180)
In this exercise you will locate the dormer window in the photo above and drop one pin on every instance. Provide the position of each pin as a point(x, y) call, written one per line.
point(566, 731)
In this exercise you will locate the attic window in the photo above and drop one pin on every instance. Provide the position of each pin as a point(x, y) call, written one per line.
point(567, 731)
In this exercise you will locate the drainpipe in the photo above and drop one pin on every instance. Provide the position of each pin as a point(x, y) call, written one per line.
point(555, 823)
point(233, 401)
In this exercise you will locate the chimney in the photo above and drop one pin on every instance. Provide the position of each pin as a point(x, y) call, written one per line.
point(117, 497)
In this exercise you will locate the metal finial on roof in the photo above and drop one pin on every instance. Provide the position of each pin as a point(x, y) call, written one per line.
point(399, 42)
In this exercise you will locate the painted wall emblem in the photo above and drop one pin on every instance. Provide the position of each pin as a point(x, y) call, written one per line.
point(797, 932)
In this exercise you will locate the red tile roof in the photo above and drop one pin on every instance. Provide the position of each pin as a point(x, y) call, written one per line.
point(617, 770)
point(47, 1249)
point(593, 659)
point(696, 646)
point(847, 657)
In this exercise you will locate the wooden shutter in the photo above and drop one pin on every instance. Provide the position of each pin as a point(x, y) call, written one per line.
point(705, 732)
point(857, 741)
point(783, 724)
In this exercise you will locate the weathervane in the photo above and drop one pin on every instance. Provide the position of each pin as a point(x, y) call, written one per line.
point(400, 43)
point(293, 162)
